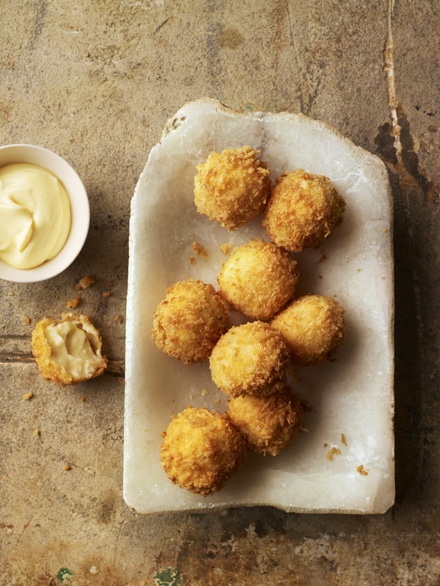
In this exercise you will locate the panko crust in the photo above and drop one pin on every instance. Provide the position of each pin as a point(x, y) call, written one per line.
point(303, 210)
point(268, 424)
point(201, 450)
point(250, 358)
point(232, 187)
point(258, 279)
point(313, 327)
point(51, 370)
point(189, 321)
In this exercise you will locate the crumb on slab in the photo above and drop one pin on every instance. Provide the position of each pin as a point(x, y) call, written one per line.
point(28, 396)
point(106, 294)
point(27, 319)
point(322, 258)
point(119, 319)
point(199, 250)
point(361, 470)
point(344, 439)
point(85, 282)
point(67, 467)
point(191, 260)
point(225, 248)
point(333, 452)
point(204, 392)
point(73, 303)
point(37, 433)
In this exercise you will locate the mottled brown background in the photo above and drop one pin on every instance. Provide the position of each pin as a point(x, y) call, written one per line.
point(96, 82)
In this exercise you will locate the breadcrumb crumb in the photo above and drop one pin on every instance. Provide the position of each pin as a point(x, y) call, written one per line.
point(85, 282)
point(362, 470)
point(333, 452)
point(73, 303)
point(28, 396)
point(199, 250)
point(226, 247)
point(344, 439)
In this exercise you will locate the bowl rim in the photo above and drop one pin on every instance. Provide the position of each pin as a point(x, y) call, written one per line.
point(79, 207)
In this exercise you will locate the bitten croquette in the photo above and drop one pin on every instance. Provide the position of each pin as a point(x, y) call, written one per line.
point(268, 424)
point(249, 358)
point(68, 350)
point(189, 321)
point(258, 279)
point(201, 450)
point(232, 187)
point(313, 327)
point(302, 211)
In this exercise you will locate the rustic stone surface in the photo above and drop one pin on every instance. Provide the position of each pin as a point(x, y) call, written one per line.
point(96, 81)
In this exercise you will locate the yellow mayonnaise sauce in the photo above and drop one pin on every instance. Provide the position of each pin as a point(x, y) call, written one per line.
point(35, 215)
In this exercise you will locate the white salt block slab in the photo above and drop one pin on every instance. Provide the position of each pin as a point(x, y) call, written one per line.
point(345, 462)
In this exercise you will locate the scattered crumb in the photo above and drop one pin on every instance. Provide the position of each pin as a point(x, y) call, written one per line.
point(85, 282)
point(333, 452)
point(73, 303)
point(225, 248)
point(93, 570)
point(385, 230)
point(325, 445)
point(191, 397)
point(119, 319)
point(106, 294)
point(217, 401)
point(83, 399)
point(344, 439)
point(37, 433)
point(304, 429)
point(191, 260)
point(28, 396)
point(199, 250)
point(11, 293)
point(359, 270)
point(27, 319)
point(204, 392)
point(67, 467)
point(322, 258)
point(362, 470)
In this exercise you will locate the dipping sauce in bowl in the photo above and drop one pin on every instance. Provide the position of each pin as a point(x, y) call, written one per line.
point(44, 213)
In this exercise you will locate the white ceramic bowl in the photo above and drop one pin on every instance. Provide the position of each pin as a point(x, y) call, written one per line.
point(79, 204)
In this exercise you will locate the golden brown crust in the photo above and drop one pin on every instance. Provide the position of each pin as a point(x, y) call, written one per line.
point(189, 321)
point(258, 279)
point(250, 358)
point(268, 424)
point(313, 327)
point(49, 368)
point(232, 187)
point(302, 211)
point(201, 450)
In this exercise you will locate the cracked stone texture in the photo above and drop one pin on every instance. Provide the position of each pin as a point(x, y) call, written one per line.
point(96, 82)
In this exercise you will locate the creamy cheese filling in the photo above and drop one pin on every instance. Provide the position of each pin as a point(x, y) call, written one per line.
point(74, 347)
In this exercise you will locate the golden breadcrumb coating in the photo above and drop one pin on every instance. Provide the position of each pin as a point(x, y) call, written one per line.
point(268, 424)
point(189, 321)
point(232, 187)
point(249, 358)
point(201, 450)
point(302, 211)
point(313, 326)
point(258, 279)
point(68, 350)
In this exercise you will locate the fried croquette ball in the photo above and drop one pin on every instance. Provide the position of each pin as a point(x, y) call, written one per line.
point(302, 211)
point(249, 358)
point(314, 328)
point(68, 350)
point(189, 321)
point(201, 450)
point(258, 279)
point(268, 424)
point(232, 187)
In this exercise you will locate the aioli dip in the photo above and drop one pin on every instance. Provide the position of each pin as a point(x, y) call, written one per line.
point(35, 215)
